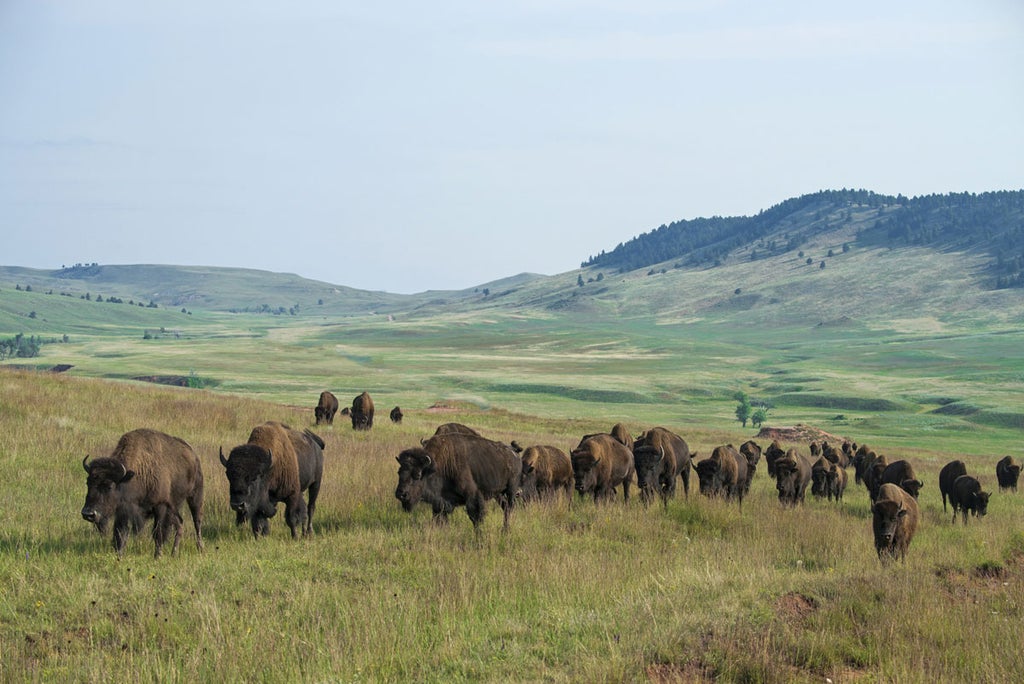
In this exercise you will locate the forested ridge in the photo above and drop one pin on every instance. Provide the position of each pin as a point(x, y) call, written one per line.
point(991, 223)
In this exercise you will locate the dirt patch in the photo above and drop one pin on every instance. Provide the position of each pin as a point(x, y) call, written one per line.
point(795, 607)
point(798, 433)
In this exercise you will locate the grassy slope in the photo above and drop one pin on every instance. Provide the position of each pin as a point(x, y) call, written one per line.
point(697, 590)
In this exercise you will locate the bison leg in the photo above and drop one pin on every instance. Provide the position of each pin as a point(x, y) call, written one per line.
point(295, 515)
point(260, 525)
point(195, 507)
point(475, 509)
point(121, 531)
point(314, 492)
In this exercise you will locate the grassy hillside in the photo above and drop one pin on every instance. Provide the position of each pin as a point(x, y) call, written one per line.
point(697, 591)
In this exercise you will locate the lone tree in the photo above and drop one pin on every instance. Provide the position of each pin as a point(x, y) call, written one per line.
point(743, 409)
point(759, 415)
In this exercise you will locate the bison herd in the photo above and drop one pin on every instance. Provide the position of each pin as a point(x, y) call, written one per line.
point(149, 475)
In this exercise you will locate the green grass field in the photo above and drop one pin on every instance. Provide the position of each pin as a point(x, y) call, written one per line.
point(927, 367)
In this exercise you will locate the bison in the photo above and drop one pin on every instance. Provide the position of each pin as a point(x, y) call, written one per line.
point(396, 415)
point(546, 470)
point(659, 457)
point(600, 463)
point(723, 473)
point(457, 428)
point(620, 433)
point(276, 464)
point(454, 469)
point(751, 450)
point(772, 454)
point(792, 475)
point(967, 496)
point(819, 477)
point(894, 520)
point(362, 412)
point(902, 473)
point(947, 476)
point(835, 482)
point(326, 408)
point(1007, 473)
point(147, 476)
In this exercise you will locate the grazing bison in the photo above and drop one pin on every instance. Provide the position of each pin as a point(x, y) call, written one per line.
point(457, 428)
point(326, 408)
point(362, 412)
point(659, 457)
point(454, 469)
point(792, 475)
point(600, 463)
point(723, 473)
point(546, 471)
point(967, 496)
point(396, 415)
point(902, 473)
point(894, 519)
point(947, 476)
point(1007, 473)
point(147, 476)
point(267, 470)
point(772, 454)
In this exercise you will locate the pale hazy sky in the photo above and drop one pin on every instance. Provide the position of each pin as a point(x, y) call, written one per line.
point(407, 146)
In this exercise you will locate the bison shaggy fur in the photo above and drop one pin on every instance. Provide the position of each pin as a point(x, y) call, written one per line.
point(894, 520)
point(546, 471)
point(147, 476)
point(362, 412)
point(792, 476)
point(723, 473)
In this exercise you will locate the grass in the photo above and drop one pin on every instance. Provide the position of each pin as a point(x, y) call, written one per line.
point(592, 593)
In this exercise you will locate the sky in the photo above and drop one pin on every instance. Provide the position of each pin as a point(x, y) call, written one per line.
point(413, 146)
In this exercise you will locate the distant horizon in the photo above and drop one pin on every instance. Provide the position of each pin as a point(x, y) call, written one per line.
point(409, 147)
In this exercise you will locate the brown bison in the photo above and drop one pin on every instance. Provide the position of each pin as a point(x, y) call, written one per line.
point(362, 412)
point(659, 457)
point(723, 473)
point(600, 463)
point(326, 408)
point(819, 477)
point(457, 428)
point(620, 433)
point(396, 415)
point(276, 464)
point(835, 482)
point(966, 495)
point(947, 476)
point(147, 476)
point(546, 471)
point(792, 476)
point(1007, 473)
point(454, 469)
point(751, 450)
point(873, 475)
point(772, 454)
point(902, 473)
point(894, 520)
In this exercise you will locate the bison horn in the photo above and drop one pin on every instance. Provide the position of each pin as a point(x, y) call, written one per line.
point(223, 461)
point(88, 468)
point(662, 454)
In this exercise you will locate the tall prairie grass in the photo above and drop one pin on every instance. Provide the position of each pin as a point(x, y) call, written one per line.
point(700, 590)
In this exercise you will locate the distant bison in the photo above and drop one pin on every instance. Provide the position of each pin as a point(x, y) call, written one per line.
point(894, 521)
point(750, 450)
point(147, 476)
point(546, 471)
point(600, 463)
point(902, 473)
point(967, 496)
point(723, 473)
point(947, 476)
point(659, 457)
point(1007, 473)
point(836, 479)
point(276, 464)
point(792, 476)
point(620, 433)
point(772, 453)
point(326, 408)
point(362, 412)
point(454, 469)
point(396, 415)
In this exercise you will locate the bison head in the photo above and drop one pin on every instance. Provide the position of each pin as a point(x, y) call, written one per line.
point(709, 473)
point(912, 487)
point(248, 470)
point(528, 482)
point(584, 471)
point(787, 479)
point(105, 476)
point(887, 516)
point(647, 461)
point(414, 467)
point(981, 503)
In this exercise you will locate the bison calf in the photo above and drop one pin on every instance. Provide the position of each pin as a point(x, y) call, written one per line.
point(148, 476)
point(894, 521)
